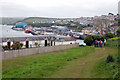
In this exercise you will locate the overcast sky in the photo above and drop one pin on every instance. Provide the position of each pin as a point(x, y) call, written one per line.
point(57, 8)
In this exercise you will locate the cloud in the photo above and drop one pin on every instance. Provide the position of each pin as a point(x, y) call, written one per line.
point(57, 8)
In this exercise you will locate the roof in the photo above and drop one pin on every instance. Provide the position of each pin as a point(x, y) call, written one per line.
point(21, 23)
point(5, 39)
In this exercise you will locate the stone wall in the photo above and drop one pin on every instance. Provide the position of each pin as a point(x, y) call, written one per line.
point(31, 51)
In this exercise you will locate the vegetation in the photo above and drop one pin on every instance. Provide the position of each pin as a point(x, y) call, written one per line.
point(109, 35)
point(38, 19)
point(109, 65)
point(9, 21)
point(42, 65)
point(108, 69)
point(80, 62)
point(113, 42)
point(17, 45)
point(5, 47)
point(36, 44)
point(89, 40)
point(109, 59)
point(118, 32)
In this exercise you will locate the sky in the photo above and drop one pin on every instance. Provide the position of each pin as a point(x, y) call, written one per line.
point(57, 8)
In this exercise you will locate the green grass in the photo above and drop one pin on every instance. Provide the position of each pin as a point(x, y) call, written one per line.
point(106, 70)
point(113, 42)
point(80, 62)
point(42, 65)
point(87, 66)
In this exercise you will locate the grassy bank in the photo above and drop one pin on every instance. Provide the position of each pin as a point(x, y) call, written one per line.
point(113, 42)
point(42, 65)
point(109, 69)
point(80, 62)
point(87, 66)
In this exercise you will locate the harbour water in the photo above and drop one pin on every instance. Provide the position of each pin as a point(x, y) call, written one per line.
point(6, 31)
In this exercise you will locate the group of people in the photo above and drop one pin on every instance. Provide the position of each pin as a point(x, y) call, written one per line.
point(99, 43)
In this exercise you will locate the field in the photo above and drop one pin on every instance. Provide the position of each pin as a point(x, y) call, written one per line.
point(80, 62)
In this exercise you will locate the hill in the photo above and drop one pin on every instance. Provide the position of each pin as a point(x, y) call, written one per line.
point(37, 19)
point(10, 20)
point(13, 20)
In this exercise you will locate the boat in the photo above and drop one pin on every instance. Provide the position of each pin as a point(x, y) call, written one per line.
point(27, 31)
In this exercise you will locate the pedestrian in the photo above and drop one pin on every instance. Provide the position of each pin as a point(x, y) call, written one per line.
point(95, 43)
point(100, 43)
point(104, 42)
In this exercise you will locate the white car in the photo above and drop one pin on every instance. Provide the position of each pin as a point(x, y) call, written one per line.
point(81, 42)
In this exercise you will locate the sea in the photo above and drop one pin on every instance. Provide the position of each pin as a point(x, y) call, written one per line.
point(7, 31)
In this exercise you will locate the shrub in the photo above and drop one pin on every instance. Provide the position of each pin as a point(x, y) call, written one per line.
point(98, 37)
point(5, 47)
point(89, 40)
point(118, 32)
point(109, 35)
point(17, 45)
point(36, 44)
point(109, 59)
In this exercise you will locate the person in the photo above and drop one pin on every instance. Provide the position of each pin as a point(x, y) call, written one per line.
point(100, 43)
point(95, 43)
point(104, 42)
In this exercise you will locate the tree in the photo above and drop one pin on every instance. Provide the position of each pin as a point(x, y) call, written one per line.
point(109, 35)
point(89, 40)
point(17, 45)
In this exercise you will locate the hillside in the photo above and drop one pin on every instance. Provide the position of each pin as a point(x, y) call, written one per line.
point(80, 62)
point(38, 19)
point(7, 20)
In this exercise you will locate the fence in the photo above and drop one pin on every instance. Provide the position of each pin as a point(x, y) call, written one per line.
point(31, 51)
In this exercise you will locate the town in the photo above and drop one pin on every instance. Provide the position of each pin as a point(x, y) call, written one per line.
point(63, 39)
point(91, 25)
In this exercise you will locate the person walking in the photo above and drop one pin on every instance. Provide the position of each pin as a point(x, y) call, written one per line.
point(95, 43)
point(100, 43)
point(104, 42)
